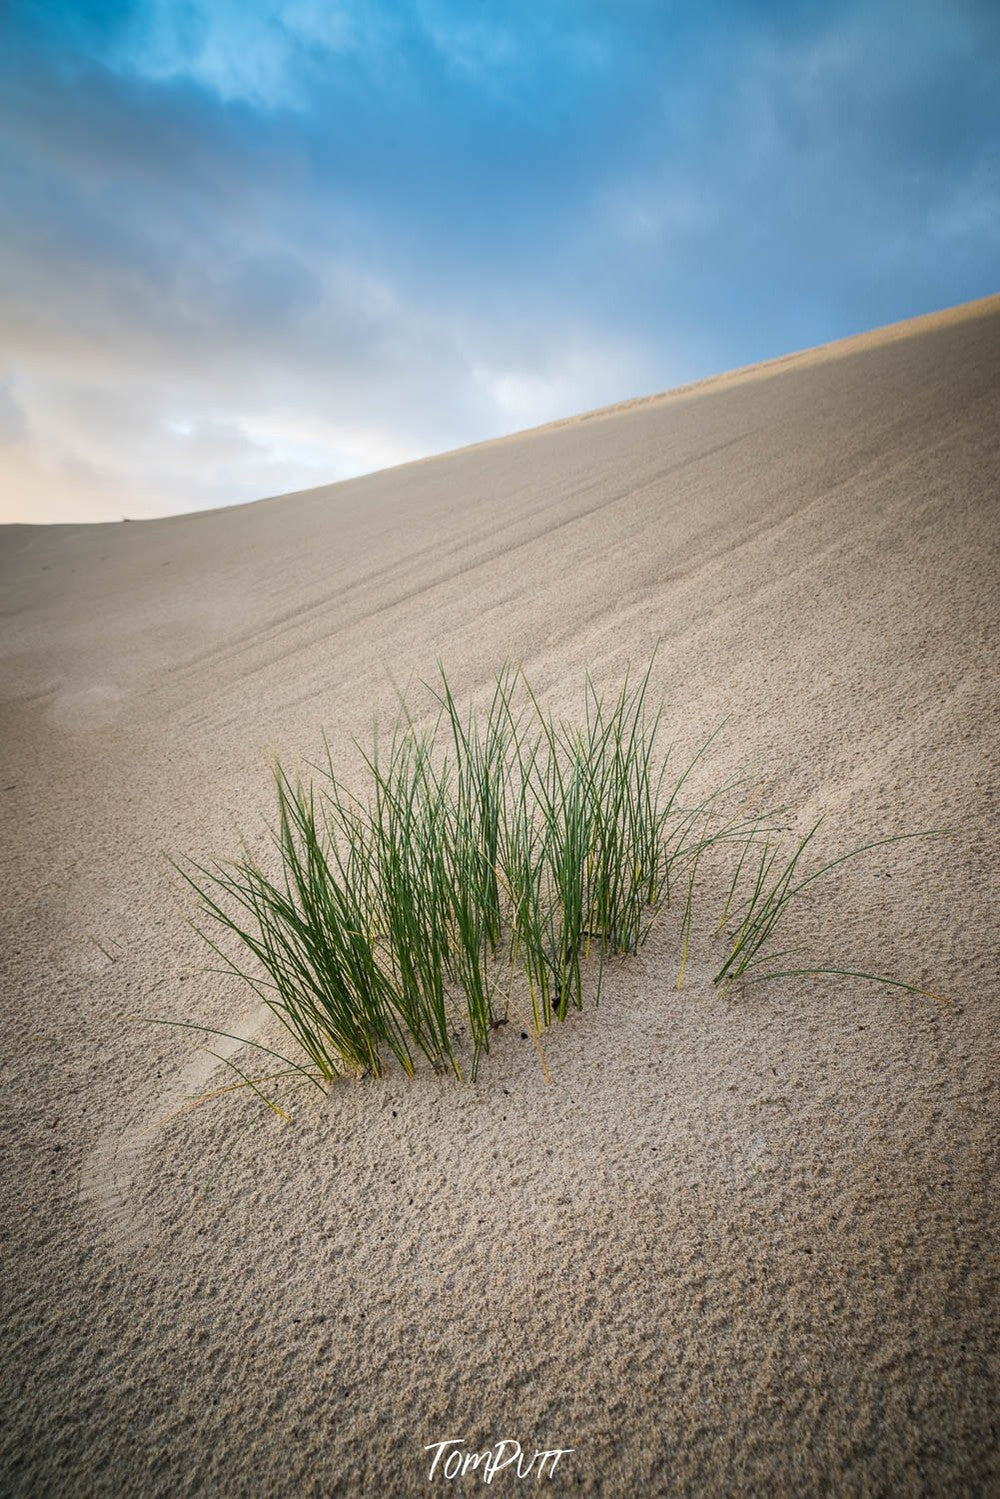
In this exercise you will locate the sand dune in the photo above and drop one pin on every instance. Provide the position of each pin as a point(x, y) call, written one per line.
point(735, 1247)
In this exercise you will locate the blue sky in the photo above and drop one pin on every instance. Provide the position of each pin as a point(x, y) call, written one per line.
point(252, 247)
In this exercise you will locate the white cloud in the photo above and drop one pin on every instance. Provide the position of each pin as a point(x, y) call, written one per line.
point(250, 52)
point(577, 378)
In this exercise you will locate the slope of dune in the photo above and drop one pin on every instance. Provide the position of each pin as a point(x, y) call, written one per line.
point(740, 1246)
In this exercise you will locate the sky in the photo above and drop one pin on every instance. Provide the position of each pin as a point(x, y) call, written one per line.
point(252, 246)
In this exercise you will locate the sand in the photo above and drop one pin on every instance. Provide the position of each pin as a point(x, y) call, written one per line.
point(737, 1246)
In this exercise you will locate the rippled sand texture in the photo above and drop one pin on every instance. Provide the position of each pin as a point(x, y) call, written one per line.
point(741, 1246)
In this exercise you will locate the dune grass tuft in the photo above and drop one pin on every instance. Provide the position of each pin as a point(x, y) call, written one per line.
point(495, 866)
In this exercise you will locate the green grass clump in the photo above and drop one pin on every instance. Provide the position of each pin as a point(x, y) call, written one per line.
point(496, 862)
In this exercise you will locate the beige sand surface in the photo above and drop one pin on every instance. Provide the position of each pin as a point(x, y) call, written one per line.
point(736, 1247)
